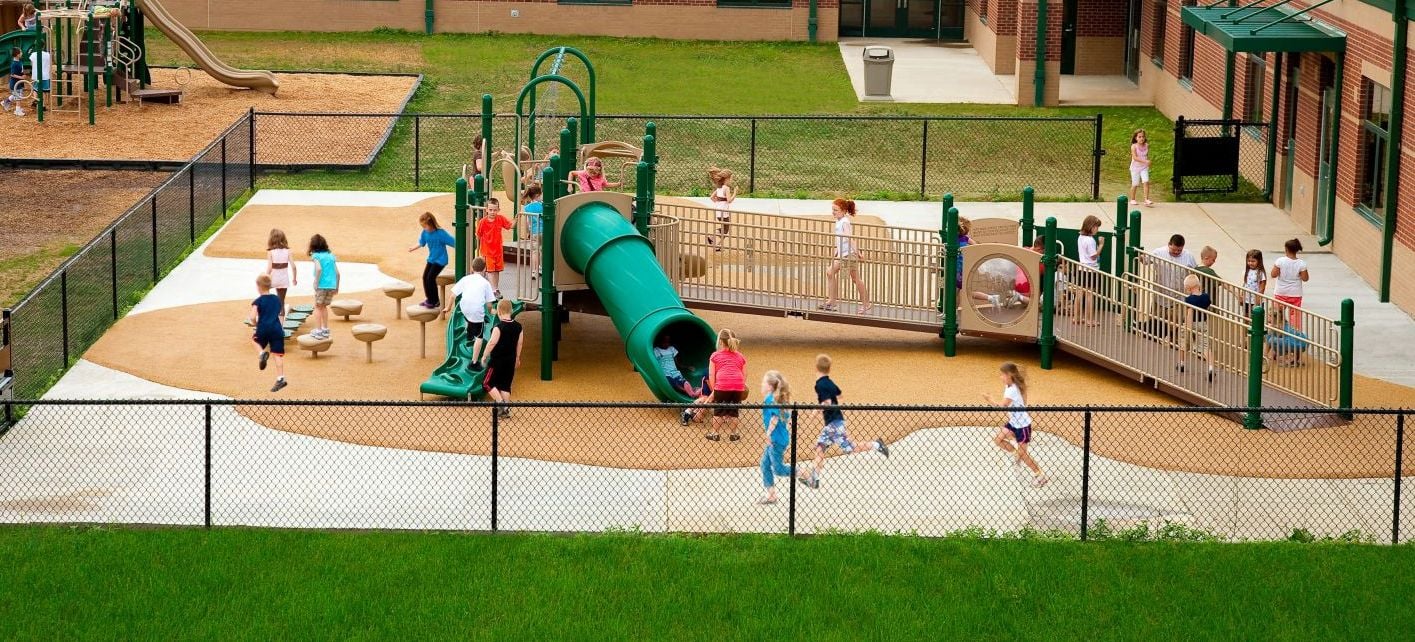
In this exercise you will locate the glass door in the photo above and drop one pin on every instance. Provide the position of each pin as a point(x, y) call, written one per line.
point(1132, 42)
point(950, 19)
point(1069, 9)
point(852, 17)
point(898, 18)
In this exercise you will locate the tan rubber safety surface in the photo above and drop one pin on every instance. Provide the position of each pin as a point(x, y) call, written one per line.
point(873, 366)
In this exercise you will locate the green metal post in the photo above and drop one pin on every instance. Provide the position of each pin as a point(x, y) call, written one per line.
point(1229, 62)
point(1048, 335)
point(107, 64)
point(459, 228)
point(565, 161)
point(487, 116)
point(478, 201)
point(1257, 332)
point(811, 23)
point(1135, 230)
point(571, 155)
point(53, 80)
point(547, 267)
point(1039, 75)
point(642, 183)
point(1122, 212)
point(1394, 145)
point(89, 79)
point(1029, 196)
point(651, 146)
point(1325, 236)
point(1348, 352)
point(1268, 177)
point(427, 17)
point(943, 238)
point(950, 278)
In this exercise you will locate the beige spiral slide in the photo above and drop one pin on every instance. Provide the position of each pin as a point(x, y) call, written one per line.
point(155, 13)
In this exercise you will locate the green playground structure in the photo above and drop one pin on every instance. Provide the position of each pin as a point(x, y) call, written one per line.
point(455, 378)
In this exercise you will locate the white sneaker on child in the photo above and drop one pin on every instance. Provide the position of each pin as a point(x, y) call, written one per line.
point(996, 302)
point(19, 111)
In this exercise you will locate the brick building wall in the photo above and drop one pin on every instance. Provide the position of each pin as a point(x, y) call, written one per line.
point(687, 19)
point(1100, 37)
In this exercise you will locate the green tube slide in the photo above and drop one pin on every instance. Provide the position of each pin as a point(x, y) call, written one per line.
point(619, 265)
point(25, 39)
point(455, 378)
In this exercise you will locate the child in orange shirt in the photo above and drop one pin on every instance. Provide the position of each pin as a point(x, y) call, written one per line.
point(489, 234)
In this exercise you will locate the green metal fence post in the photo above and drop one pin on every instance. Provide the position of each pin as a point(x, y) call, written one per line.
point(547, 266)
point(459, 227)
point(1257, 331)
point(1048, 278)
point(571, 156)
point(427, 17)
point(950, 278)
point(1122, 212)
point(943, 238)
point(487, 115)
point(651, 146)
point(107, 64)
point(1348, 353)
point(566, 158)
point(1029, 196)
point(642, 183)
point(90, 81)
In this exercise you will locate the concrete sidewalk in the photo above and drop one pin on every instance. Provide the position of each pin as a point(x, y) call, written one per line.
point(928, 72)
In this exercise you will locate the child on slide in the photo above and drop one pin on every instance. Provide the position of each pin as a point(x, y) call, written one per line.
point(667, 356)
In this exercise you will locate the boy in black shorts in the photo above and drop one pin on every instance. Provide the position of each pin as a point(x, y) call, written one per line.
point(503, 355)
point(268, 317)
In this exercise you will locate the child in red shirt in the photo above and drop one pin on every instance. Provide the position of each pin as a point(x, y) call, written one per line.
point(489, 234)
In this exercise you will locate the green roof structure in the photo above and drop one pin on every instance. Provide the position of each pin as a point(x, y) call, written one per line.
point(1258, 29)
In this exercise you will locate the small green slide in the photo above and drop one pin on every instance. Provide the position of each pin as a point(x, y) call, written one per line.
point(620, 267)
point(22, 38)
point(454, 378)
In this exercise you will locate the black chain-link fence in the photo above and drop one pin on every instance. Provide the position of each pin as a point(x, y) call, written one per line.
point(1221, 156)
point(977, 158)
point(598, 467)
point(66, 313)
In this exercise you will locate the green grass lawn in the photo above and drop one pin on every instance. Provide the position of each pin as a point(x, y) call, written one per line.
point(674, 77)
point(81, 583)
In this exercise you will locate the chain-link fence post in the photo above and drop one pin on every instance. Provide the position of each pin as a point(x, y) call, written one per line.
point(206, 503)
point(113, 268)
point(192, 201)
point(924, 161)
point(64, 312)
point(1399, 468)
point(495, 462)
point(250, 118)
point(418, 153)
point(1085, 474)
point(791, 502)
point(1096, 153)
point(223, 177)
point(154, 237)
point(752, 160)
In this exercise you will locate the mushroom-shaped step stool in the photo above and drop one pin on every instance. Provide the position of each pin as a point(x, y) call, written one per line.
point(398, 291)
point(346, 308)
point(314, 345)
point(368, 333)
point(422, 316)
point(444, 280)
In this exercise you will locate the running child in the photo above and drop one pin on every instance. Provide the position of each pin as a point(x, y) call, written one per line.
point(533, 206)
point(476, 301)
point(1290, 273)
point(723, 194)
point(592, 178)
point(17, 74)
point(833, 434)
point(1140, 165)
point(326, 284)
point(846, 257)
point(503, 355)
point(279, 266)
point(667, 357)
point(775, 391)
point(436, 240)
point(1196, 324)
point(1088, 249)
point(1016, 435)
point(1255, 280)
point(489, 231)
point(268, 318)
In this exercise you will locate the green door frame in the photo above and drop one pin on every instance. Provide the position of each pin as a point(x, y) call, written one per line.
point(900, 28)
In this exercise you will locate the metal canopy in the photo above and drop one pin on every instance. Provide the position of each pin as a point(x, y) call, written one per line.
point(1255, 29)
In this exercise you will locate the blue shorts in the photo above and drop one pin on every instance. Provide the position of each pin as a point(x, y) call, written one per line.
point(834, 435)
point(271, 339)
point(676, 381)
point(1022, 435)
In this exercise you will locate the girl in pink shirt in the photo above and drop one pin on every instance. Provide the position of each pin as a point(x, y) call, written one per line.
point(592, 178)
point(727, 376)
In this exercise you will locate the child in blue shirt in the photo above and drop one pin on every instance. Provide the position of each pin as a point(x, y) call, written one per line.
point(436, 240)
point(326, 284)
point(268, 318)
point(776, 391)
point(17, 74)
point(534, 208)
point(667, 356)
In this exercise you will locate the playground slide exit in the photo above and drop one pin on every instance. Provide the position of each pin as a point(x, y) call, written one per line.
point(455, 378)
point(158, 15)
point(620, 267)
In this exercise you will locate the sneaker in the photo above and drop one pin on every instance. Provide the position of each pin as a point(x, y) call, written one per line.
point(279, 384)
point(428, 305)
point(996, 302)
point(264, 357)
point(1180, 367)
point(5, 103)
point(19, 111)
point(505, 413)
point(1013, 299)
point(685, 418)
point(882, 447)
point(475, 367)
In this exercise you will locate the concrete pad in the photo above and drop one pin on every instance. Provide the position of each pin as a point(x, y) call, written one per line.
point(928, 72)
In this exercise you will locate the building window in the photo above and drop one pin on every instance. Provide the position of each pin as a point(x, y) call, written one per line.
point(1186, 51)
point(1375, 134)
point(773, 4)
point(1158, 27)
point(1253, 88)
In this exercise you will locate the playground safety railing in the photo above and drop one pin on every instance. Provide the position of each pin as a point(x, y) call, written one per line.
point(628, 466)
point(53, 325)
point(979, 158)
